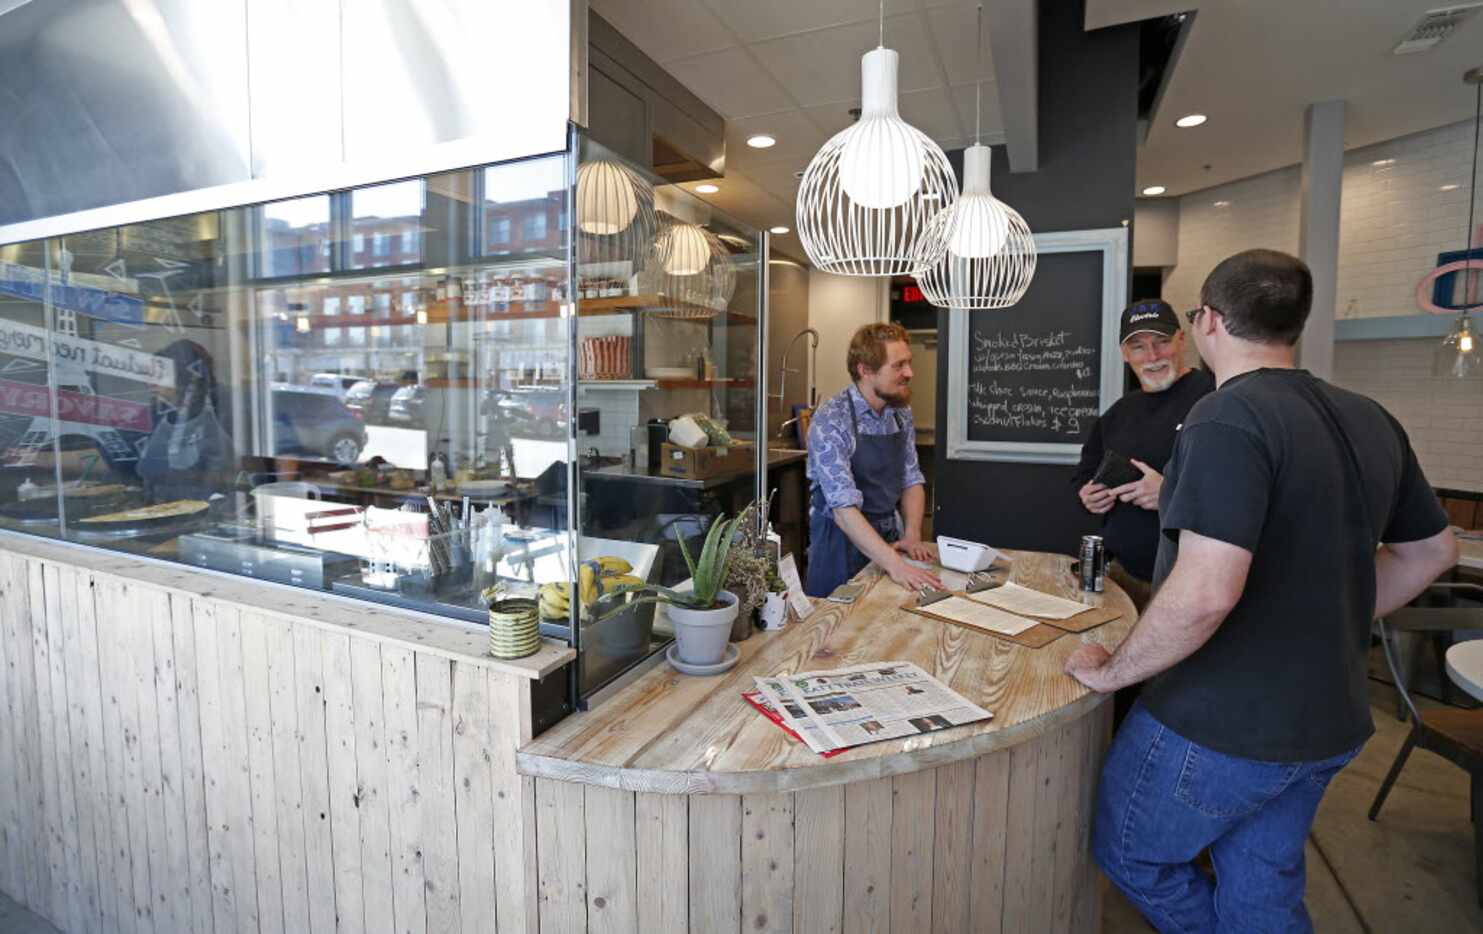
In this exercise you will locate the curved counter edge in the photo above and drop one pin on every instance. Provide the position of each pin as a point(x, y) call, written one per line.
point(823, 775)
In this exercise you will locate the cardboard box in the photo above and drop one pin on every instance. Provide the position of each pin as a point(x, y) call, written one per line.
point(704, 463)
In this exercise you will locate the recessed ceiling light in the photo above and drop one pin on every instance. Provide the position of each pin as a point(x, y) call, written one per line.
point(1221, 204)
point(778, 230)
point(1189, 120)
point(1383, 162)
point(1450, 186)
point(1154, 190)
point(761, 141)
point(707, 189)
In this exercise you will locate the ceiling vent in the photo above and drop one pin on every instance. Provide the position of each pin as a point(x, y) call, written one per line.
point(1434, 26)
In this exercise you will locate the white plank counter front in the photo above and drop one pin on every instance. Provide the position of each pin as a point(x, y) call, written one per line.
point(674, 806)
point(184, 751)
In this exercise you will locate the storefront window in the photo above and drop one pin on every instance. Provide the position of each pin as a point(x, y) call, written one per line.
point(295, 236)
point(238, 390)
point(375, 392)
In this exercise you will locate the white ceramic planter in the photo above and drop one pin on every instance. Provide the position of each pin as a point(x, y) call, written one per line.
point(702, 635)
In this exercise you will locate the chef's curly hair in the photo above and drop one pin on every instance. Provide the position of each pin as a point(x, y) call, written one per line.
point(868, 346)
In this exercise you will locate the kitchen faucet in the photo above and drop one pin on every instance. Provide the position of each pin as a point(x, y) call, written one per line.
point(813, 370)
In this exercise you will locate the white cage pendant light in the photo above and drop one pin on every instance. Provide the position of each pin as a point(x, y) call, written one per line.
point(866, 198)
point(616, 219)
point(990, 256)
point(696, 276)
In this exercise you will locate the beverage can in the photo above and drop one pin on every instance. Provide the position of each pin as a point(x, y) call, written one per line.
point(1093, 563)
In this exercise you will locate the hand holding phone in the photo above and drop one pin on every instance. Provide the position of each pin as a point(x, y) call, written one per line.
point(1116, 470)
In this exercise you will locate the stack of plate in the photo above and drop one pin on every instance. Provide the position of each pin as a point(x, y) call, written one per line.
point(514, 628)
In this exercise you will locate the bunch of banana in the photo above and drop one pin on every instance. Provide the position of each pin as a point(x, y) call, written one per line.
point(595, 578)
point(610, 565)
point(555, 602)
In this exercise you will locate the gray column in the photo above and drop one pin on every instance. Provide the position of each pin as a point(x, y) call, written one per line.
point(1318, 228)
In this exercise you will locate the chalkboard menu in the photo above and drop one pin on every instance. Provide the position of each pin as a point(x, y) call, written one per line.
point(1034, 370)
point(1025, 383)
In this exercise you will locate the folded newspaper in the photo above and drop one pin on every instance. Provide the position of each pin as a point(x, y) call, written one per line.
point(844, 707)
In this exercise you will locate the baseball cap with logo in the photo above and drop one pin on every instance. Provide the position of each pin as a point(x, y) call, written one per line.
point(1150, 315)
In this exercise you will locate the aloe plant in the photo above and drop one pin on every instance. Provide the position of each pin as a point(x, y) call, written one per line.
point(707, 573)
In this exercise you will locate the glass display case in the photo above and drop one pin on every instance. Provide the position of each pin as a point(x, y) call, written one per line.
point(417, 393)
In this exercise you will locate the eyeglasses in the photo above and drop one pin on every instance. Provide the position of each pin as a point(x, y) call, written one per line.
point(1194, 313)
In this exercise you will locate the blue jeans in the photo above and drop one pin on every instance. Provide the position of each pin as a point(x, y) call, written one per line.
point(1163, 799)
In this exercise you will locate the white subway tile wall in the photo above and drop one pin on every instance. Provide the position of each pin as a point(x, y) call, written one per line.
point(1399, 211)
point(1440, 415)
point(619, 414)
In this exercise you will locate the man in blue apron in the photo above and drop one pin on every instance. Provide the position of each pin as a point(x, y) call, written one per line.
point(868, 493)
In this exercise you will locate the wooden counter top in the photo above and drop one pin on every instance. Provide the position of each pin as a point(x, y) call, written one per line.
point(670, 733)
point(452, 639)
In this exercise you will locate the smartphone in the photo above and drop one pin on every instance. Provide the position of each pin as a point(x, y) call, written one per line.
point(847, 593)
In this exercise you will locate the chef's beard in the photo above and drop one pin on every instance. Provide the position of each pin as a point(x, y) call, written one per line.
point(899, 399)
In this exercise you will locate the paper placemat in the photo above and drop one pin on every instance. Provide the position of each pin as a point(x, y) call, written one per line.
point(1037, 635)
point(1027, 602)
point(1090, 618)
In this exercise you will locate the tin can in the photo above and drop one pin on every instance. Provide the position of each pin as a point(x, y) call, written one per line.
point(1093, 563)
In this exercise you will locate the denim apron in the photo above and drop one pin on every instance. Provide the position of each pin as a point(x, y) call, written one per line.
point(879, 469)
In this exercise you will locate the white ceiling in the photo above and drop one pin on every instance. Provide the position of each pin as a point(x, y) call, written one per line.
point(1253, 66)
point(791, 69)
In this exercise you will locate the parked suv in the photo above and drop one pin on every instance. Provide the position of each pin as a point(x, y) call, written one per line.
point(337, 382)
point(371, 398)
point(315, 423)
point(406, 406)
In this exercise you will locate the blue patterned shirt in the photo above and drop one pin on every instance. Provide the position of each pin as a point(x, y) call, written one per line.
point(831, 444)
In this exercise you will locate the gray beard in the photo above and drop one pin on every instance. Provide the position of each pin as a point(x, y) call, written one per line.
point(1159, 385)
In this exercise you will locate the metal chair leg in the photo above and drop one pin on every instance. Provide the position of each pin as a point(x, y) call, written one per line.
point(1477, 790)
point(1395, 771)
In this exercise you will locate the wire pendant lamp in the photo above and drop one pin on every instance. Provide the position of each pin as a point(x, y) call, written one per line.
point(616, 219)
point(990, 255)
point(696, 275)
point(1460, 356)
point(868, 195)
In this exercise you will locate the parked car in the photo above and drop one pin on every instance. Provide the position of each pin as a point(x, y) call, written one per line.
point(314, 423)
point(337, 382)
point(371, 398)
point(406, 407)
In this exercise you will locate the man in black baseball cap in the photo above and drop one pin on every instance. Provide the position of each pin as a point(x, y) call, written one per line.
point(1153, 316)
point(1119, 476)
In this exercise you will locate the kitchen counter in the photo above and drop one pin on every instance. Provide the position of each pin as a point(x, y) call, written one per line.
point(958, 830)
point(621, 472)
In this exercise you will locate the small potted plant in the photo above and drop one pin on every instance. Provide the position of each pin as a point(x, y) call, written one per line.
point(775, 607)
point(702, 615)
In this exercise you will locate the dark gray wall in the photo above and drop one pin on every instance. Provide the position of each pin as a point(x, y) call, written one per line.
point(1088, 148)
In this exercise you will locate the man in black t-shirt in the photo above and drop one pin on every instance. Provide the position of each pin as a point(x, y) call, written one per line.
point(1140, 427)
point(1292, 514)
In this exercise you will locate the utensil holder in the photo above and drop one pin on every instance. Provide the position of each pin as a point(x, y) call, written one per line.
point(514, 628)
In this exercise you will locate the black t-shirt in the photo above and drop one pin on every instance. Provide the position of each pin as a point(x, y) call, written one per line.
point(1140, 425)
point(1261, 465)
